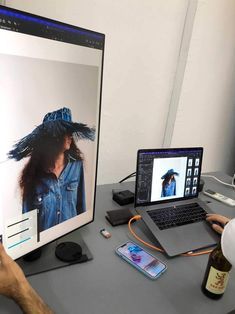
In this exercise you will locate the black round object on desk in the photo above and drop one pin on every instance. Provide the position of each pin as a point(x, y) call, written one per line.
point(68, 252)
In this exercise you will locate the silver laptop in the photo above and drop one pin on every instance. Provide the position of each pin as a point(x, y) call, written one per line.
point(166, 197)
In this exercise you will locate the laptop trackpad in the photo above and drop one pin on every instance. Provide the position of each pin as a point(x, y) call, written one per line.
point(187, 238)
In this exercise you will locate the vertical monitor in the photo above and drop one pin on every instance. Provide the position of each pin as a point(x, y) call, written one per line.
point(50, 95)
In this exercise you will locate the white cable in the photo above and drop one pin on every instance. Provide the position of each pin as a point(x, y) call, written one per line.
point(231, 185)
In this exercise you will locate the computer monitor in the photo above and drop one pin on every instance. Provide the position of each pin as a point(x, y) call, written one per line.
point(50, 97)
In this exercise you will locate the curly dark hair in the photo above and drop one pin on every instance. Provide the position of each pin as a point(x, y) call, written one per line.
point(42, 159)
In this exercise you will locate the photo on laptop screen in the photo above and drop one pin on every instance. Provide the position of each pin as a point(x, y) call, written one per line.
point(168, 178)
point(167, 174)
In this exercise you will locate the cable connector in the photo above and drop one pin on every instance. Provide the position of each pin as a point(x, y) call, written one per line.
point(136, 217)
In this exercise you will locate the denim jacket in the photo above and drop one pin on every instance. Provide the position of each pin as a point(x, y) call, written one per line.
point(169, 189)
point(59, 199)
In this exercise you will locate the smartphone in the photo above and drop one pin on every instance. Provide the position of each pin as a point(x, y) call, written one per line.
point(141, 259)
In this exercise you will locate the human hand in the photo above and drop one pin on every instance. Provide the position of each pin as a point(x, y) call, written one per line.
point(218, 221)
point(14, 285)
point(12, 278)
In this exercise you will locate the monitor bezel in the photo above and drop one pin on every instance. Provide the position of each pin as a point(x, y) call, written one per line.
point(49, 20)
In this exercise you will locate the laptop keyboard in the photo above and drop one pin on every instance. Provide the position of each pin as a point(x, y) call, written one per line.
point(175, 216)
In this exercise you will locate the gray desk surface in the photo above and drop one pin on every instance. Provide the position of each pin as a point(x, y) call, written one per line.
point(109, 285)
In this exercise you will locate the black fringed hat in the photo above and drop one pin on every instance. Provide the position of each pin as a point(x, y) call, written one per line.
point(55, 125)
point(170, 172)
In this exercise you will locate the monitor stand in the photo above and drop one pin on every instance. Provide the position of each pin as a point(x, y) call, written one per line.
point(50, 254)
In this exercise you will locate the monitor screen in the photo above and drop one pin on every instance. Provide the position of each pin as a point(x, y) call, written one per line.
point(50, 95)
point(167, 174)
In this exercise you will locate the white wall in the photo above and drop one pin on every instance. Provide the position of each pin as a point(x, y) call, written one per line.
point(142, 46)
point(206, 111)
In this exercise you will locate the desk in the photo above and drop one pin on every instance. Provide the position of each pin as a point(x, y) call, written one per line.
point(109, 285)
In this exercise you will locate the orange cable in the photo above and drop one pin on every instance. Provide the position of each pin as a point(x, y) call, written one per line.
point(138, 217)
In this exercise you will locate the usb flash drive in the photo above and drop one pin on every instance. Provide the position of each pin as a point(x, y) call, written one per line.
point(105, 233)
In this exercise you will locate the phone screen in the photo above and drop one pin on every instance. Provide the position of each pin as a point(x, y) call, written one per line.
point(140, 258)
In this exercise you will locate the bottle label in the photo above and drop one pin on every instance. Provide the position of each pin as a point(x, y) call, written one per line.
point(217, 281)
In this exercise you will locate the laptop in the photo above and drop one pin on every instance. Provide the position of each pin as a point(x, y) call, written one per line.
point(166, 197)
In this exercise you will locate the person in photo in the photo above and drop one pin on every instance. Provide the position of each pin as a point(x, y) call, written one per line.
point(52, 181)
point(194, 191)
point(169, 183)
point(190, 162)
point(188, 182)
point(197, 161)
point(189, 172)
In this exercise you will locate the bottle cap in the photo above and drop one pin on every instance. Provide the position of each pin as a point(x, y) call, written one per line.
point(228, 241)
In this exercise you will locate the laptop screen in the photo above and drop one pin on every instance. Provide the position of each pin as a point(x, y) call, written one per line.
point(167, 174)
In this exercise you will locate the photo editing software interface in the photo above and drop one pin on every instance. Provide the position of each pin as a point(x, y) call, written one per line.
point(169, 174)
point(50, 95)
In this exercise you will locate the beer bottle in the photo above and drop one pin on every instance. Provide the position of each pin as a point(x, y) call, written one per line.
point(216, 275)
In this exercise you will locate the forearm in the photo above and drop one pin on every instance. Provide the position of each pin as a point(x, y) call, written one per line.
point(30, 302)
